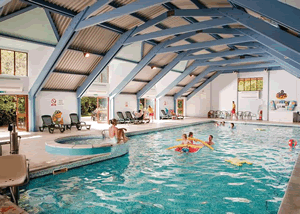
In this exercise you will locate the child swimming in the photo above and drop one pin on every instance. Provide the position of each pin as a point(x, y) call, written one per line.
point(191, 135)
point(185, 141)
point(209, 142)
point(232, 126)
point(217, 124)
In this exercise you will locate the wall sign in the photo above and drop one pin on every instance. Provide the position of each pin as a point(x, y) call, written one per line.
point(165, 103)
point(60, 102)
point(53, 102)
point(126, 104)
point(281, 95)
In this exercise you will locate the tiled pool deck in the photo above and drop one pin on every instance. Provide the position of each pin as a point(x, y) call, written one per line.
point(41, 162)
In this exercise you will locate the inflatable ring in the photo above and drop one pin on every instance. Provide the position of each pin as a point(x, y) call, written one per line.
point(195, 139)
point(292, 143)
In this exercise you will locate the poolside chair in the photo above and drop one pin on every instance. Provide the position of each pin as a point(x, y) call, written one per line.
point(164, 115)
point(240, 115)
point(252, 115)
point(141, 119)
point(211, 114)
point(246, 115)
point(129, 117)
point(48, 123)
point(79, 124)
point(223, 115)
point(217, 114)
point(121, 117)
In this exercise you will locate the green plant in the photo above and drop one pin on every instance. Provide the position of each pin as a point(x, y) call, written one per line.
point(88, 105)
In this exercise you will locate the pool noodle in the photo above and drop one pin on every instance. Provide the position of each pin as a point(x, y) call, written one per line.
point(195, 139)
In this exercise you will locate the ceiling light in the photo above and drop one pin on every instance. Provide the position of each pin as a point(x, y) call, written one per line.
point(86, 54)
point(153, 67)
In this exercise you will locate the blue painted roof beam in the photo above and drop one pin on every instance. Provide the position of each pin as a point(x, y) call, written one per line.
point(277, 11)
point(231, 31)
point(195, 13)
point(203, 85)
point(161, 74)
point(58, 52)
point(103, 63)
point(193, 82)
point(14, 14)
point(225, 53)
point(96, 6)
point(118, 12)
point(55, 31)
point(234, 40)
point(182, 29)
point(249, 70)
point(266, 34)
point(151, 22)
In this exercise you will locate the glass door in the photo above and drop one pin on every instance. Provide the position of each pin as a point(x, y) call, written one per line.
point(102, 110)
point(180, 104)
point(22, 112)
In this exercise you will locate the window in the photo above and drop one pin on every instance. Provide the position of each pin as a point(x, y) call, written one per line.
point(13, 63)
point(250, 84)
point(104, 76)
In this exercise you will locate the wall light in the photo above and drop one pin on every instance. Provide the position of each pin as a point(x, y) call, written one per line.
point(86, 55)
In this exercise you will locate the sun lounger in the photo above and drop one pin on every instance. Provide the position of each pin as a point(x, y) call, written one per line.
point(79, 124)
point(122, 119)
point(48, 123)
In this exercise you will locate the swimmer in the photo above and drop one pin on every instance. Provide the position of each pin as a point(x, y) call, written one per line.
point(223, 123)
point(217, 124)
point(191, 135)
point(117, 135)
point(232, 126)
point(209, 142)
point(185, 141)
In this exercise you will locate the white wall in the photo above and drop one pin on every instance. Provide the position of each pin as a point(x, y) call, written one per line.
point(43, 105)
point(120, 103)
point(166, 102)
point(224, 91)
point(37, 58)
point(199, 104)
point(282, 80)
point(251, 104)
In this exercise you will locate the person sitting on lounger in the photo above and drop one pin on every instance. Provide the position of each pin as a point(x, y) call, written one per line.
point(140, 116)
point(117, 135)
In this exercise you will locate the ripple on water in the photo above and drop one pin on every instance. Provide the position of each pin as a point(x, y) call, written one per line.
point(152, 179)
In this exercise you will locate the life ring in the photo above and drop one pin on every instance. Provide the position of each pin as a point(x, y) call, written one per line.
point(195, 139)
point(292, 143)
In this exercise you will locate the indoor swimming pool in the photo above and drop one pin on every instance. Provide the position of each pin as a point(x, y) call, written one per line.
point(151, 179)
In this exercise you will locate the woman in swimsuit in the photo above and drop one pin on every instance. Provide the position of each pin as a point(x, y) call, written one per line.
point(115, 134)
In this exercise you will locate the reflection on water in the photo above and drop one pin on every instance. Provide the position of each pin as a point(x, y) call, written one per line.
point(152, 179)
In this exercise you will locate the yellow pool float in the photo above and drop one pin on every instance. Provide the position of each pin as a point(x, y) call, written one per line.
point(238, 162)
point(198, 140)
point(185, 145)
point(260, 129)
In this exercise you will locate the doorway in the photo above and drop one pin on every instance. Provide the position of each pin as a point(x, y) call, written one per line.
point(180, 107)
point(145, 103)
point(102, 110)
point(14, 109)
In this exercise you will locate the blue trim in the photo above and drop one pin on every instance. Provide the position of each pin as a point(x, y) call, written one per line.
point(160, 75)
point(274, 10)
point(14, 14)
point(52, 24)
point(138, 104)
point(203, 85)
point(96, 6)
point(32, 114)
point(58, 52)
point(249, 70)
point(103, 63)
point(145, 61)
point(76, 151)
point(234, 40)
point(192, 83)
point(183, 29)
point(79, 107)
point(175, 105)
point(118, 12)
point(263, 65)
point(225, 53)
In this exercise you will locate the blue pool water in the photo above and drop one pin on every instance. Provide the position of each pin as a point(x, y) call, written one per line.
point(151, 179)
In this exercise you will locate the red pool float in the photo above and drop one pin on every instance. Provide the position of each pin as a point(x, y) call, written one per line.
point(292, 143)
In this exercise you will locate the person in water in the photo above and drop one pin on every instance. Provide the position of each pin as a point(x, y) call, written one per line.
point(223, 123)
point(191, 135)
point(116, 135)
point(217, 124)
point(231, 125)
point(209, 142)
point(185, 141)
